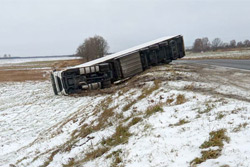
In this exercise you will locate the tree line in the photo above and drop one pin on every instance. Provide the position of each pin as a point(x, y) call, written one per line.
point(204, 45)
point(6, 55)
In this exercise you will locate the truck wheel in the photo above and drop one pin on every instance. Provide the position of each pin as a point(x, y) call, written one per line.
point(106, 84)
point(53, 84)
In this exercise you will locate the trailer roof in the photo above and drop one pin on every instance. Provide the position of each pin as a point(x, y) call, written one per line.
point(124, 52)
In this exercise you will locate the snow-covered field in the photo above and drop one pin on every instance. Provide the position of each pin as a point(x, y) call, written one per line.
point(5, 62)
point(159, 118)
point(240, 54)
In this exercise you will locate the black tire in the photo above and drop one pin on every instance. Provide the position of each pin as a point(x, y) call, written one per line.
point(53, 84)
point(106, 84)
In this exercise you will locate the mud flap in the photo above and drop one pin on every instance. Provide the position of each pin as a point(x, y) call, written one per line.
point(53, 83)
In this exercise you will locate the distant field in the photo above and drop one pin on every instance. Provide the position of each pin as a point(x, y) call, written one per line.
point(230, 54)
point(8, 62)
point(32, 69)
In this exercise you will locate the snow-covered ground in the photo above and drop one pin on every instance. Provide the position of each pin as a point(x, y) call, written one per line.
point(159, 118)
point(5, 62)
point(241, 54)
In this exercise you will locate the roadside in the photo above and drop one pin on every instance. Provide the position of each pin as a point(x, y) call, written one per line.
point(230, 54)
point(229, 63)
point(178, 109)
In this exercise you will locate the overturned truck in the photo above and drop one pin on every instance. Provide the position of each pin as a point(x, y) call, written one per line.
point(101, 73)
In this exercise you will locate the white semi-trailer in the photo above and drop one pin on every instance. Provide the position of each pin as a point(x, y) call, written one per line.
point(102, 72)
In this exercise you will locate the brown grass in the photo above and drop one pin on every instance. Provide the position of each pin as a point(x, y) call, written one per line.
point(239, 127)
point(210, 154)
point(180, 122)
point(22, 75)
point(134, 121)
point(128, 106)
point(26, 72)
point(50, 158)
point(153, 109)
point(147, 91)
point(116, 157)
point(180, 99)
point(120, 136)
point(169, 100)
point(216, 138)
point(207, 109)
point(96, 153)
point(70, 163)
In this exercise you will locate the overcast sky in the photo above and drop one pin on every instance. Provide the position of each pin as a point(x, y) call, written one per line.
point(58, 27)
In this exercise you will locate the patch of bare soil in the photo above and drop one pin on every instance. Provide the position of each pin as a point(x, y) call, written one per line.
point(33, 71)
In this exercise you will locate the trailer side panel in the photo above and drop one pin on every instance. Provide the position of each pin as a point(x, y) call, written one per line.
point(131, 65)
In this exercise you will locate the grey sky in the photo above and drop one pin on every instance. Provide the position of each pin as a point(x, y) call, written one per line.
point(57, 27)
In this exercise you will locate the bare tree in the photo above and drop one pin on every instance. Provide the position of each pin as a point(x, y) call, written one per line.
point(246, 43)
point(197, 46)
point(93, 48)
point(217, 43)
point(232, 44)
point(240, 44)
point(205, 44)
point(226, 45)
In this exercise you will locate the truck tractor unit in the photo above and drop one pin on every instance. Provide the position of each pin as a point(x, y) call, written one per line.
point(103, 72)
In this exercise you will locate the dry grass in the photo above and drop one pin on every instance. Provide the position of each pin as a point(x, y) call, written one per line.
point(23, 75)
point(95, 153)
point(134, 121)
point(169, 101)
point(153, 109)
point(216, 139)
point(180, 99)
point(27, 72)
point(220, 116)
point(148, 91)
point(207, 109)
point(210, 154)
point(116, 157)
point(239, 127)
point(189, 87)
point(70, 163)
point(86, 129)
point(128, 105)
point(120, 136)
point(50, 159)
point(181, 122)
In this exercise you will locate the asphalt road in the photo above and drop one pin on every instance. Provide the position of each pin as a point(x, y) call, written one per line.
point(239, 64)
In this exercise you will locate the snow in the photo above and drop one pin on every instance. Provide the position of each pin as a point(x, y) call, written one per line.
point(34, 123)
point(241, 54)
point(8, 62)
